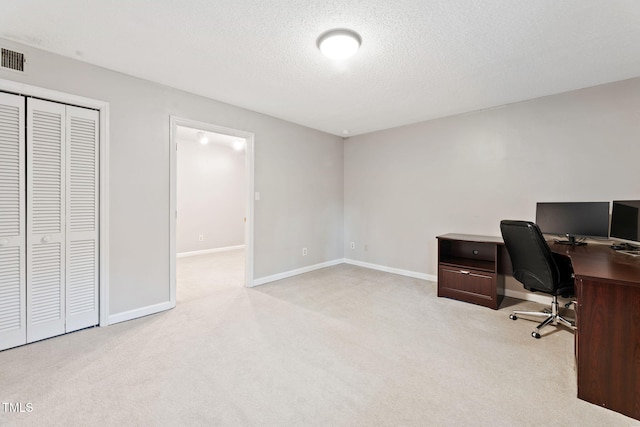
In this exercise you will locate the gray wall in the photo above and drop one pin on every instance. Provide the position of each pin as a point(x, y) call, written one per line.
point(299, 172)
point(463, 174)
point(210, 196)
point(398, 188)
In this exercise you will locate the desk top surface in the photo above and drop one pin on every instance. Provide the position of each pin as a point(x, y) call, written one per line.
point(601, 262)
point(472, 238)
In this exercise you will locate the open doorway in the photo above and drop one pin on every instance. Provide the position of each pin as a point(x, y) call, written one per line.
point(211, 189)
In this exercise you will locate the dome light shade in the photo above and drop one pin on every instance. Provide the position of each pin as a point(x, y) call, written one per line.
point(238, 144)
point(339, 43)
point(202, 138)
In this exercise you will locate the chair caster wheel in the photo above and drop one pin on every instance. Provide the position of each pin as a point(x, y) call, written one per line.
point(513, 317)
point(535, 335)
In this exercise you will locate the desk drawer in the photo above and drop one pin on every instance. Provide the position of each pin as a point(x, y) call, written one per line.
point(474, 286)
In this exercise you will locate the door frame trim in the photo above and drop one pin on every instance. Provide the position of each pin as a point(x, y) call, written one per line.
point(249, 137)
point(103, 109)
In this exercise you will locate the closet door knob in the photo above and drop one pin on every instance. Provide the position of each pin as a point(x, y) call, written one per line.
point(46, 239)
point(4, 242)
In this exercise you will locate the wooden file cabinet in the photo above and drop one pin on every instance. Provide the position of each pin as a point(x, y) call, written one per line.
point(469, 269)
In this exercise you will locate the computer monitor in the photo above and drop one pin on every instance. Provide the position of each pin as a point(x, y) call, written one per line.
point(625, 221)
point(572, 219)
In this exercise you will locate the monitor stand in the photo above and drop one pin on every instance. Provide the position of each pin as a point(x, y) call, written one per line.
point(571, 241)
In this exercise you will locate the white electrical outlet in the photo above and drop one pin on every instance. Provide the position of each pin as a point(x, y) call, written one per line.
point(304, 251)
point(353, 245)
point(200, 237)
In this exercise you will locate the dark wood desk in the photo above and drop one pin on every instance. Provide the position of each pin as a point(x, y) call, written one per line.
point(608, 326)
point(607, 339)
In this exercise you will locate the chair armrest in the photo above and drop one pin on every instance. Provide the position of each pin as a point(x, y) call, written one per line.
point(564, 266)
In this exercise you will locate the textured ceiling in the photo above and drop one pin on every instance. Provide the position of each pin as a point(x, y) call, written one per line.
point(420, 59)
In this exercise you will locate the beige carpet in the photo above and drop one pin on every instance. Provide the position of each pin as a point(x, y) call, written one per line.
point(342, 346)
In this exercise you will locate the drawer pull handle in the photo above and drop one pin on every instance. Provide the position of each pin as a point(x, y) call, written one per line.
point(46, 239)
point(4, 242)
point(465, 272)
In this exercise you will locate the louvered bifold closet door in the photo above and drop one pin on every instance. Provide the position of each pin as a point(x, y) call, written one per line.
point(13, 329)
point(45, 219)
point(82, 218)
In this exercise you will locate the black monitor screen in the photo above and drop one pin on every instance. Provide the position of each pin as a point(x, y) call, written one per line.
point(625, 222)
point(574, 218)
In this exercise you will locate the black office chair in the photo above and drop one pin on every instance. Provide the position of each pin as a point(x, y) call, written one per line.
point(538, 269)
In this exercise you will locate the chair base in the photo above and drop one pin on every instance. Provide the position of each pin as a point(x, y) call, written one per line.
point(552, 317)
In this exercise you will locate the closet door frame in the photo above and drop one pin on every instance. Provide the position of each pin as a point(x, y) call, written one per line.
point(103, 109)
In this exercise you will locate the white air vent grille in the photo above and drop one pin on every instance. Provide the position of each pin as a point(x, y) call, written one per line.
point(12, 60)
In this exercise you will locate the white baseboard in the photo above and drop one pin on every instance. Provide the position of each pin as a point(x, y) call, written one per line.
point(152, 309)
point(533, 296)
point(208, 251)
point(286, 274)
point(528, 296)
point(523, 295)
point(139, 312)
point(399, 271)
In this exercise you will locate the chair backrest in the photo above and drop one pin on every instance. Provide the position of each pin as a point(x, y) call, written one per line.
point(531, 257)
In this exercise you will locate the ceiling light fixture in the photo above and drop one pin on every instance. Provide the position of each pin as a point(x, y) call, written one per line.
point(340, 43)
point(202, 138)
point(238, 145)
